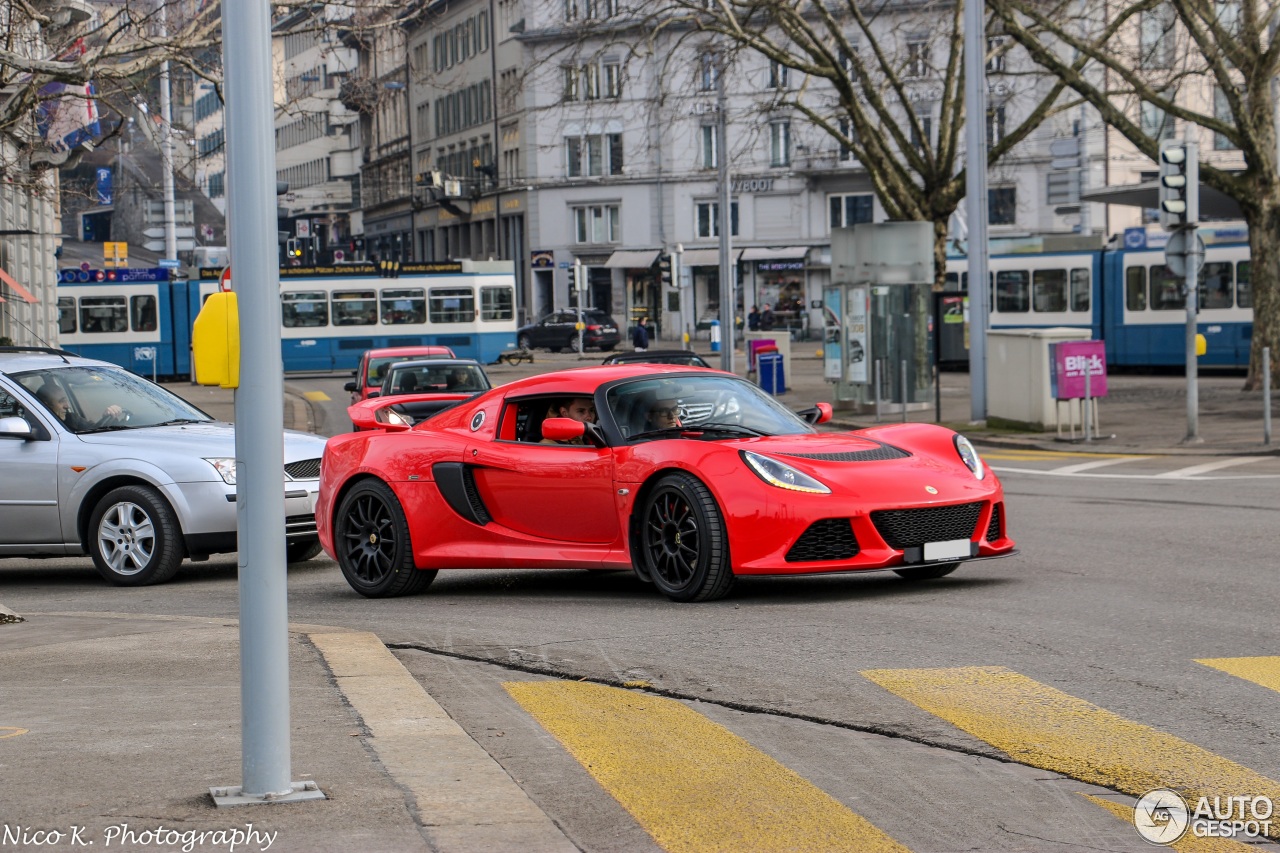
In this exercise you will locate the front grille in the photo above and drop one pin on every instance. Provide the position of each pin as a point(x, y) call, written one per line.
point(829, 539)
point(911, 528)
point(300, 525)
point(307, 469)
point(877, 454)
point(993, 529)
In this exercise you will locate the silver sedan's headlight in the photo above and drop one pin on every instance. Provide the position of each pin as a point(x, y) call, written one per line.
point(970, 457)
point(226, 468)
point(782, 475)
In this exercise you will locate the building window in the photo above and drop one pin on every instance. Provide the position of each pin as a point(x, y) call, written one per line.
point(709, 149)
point(596, 224)
point(1156, 43)
point(708, 219)
point(612, 79)
point(570, 74)
point(571, 10)
point(1155, 122)
point(708, 73)
point(780, 143)
point(996, 54)
point(995, 125)
point(1002, 205)
point(777, 75)
point(917, 59)
point(922, 134)
point(849, 132)
point(594, 155)
point(1222, 112)
point(847, 65)
point(851, 209)
point(601, 9)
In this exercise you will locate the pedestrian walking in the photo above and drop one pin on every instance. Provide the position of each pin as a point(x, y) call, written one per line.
point(640, 336)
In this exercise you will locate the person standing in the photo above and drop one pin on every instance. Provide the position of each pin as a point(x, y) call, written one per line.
point(766, 319)
point(753, 320)
point(640, 336)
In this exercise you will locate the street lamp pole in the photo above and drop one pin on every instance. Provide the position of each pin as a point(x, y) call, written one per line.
point(975, 137)
point(728, 290)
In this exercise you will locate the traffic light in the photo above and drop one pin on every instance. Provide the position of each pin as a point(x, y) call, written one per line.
point(1179, 184)
point(293, 248)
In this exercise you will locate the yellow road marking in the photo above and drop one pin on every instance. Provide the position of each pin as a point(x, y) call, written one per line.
point(316, 396)
point(11, 731)
point(1186, 844)
point(1045, 728)
point(1264, 670)
point(691, 784)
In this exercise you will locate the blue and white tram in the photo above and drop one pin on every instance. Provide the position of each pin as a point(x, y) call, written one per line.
point(1036, 289)
point(1144, 309)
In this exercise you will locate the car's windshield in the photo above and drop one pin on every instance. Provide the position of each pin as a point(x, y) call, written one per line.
point(89, 398)
point(429, 378)
point(685, 402)
point(377, 368)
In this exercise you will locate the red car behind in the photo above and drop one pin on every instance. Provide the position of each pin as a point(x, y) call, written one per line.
point(369, 372)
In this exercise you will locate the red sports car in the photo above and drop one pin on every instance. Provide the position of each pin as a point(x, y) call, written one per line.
point(690, 477)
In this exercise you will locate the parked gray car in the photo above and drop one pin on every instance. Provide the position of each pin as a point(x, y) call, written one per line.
point(98, 460)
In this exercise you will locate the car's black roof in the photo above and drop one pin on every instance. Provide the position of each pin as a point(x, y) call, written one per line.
point(653, 356)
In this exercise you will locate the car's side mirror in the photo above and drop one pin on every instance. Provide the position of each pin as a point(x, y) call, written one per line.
point(819, 414)
point(562, 429)
point(373, 394)
point(350, 387)
point(16, 428)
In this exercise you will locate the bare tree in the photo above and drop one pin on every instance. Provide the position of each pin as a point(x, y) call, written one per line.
point(894, 89)
point(1210, 64)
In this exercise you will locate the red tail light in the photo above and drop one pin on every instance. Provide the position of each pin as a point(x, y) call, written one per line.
point(593, 328)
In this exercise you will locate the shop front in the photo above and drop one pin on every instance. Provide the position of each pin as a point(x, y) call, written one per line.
point(778, 283)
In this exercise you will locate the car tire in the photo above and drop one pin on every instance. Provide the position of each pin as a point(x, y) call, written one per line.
point(371, 538)
point(301, 550)
point(927, 573)
point(684, 547)
point(524, 342)
point(134, 537)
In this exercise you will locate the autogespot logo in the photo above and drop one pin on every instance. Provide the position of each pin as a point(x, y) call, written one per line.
point(1161, 816)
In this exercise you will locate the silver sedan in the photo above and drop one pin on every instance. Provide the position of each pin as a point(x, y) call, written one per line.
point(98, 460)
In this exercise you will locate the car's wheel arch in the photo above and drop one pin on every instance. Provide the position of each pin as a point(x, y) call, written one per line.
point(350, 483)
point(647, 487)
point(101, 488)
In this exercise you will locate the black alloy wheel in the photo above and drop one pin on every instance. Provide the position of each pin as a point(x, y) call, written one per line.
point(684, 548)
point(371, 538)
point(927, 573)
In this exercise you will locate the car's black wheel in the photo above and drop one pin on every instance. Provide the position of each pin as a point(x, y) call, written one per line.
point(927, 573)
point(684, 548)
point(524, 342)
point(301, 550)
point(371, 537)
point(134, 537)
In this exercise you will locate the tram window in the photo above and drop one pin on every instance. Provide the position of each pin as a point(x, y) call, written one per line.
point(1166, 290)
point(304, 308)
point(1215, 285)
point(100, 314)
point(1013, 291)
point(142, 313)
point(66, 315)
point(1049, 290)
point(451, 305)
point(1244, 287)
point(401, 307)
point(1135, 289)
point(1081, 290)
point(497, 303)
point(957, 281)
point(355, 308)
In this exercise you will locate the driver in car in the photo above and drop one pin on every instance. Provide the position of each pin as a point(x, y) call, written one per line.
point(55, 400)
point(663, 414)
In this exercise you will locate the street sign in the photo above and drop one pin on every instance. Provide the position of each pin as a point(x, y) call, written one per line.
point(144, 353)
point(169, 263)
point(181, 232)
point(158, 246)
point(1177, 254)
point(1068, 146)
point(224, 280)
point(304, 227)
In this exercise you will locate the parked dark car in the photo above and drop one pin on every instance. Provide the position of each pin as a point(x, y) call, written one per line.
point(682, 357)
point(559, 331)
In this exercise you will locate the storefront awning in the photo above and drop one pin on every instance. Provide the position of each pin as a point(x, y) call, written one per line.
point(17, 288)
point(705, 257)
point(631, 260)
point(789, 253)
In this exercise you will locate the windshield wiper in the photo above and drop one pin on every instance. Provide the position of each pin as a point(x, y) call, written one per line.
point(176, 421)
point(693, 429)
point(734, 428)
point(107, 428)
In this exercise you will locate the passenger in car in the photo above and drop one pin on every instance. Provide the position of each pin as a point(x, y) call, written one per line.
point(581, 409)
point(663, 414)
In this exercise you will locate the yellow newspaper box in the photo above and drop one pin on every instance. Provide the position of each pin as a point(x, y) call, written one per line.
point(215, 342)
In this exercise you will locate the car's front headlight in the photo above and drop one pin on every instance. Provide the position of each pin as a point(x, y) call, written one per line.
point(782, 475)
point(970, 457)
point(226, 468)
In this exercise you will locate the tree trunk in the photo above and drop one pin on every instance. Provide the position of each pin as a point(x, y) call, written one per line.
point(1264, 280)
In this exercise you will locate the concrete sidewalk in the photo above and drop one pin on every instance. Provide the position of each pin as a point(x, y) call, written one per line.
point(153, 720)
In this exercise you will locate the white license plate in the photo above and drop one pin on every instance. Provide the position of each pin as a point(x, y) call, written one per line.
point(955, 549)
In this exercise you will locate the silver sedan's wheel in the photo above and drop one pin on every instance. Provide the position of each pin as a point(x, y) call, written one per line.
point(134, 537)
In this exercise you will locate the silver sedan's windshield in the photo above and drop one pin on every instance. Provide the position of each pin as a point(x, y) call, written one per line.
point(686, 402)
point(92, 398)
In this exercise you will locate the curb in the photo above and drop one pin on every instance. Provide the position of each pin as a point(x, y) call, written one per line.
point(7, 616)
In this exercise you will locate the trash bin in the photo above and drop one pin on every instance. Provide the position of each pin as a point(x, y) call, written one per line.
point(773, 377)
point(715, 336)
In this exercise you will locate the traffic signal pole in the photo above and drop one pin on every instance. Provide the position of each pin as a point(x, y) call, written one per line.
point(1180, 214)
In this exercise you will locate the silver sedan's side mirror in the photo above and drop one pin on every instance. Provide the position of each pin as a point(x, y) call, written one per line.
point(16, 428)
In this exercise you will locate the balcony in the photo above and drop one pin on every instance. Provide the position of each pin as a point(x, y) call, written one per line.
point(359, 94)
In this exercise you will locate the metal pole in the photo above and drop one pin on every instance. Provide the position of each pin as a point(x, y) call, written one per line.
point(728, 293)
point(166, 145)
point(1087, 409)
point(1193, 295)
point(497, 142)
point(259, 408)
point(677, 257)
point(1266, 395)
point(904, 390)
point(878, 380)
point(975, 140)
point(580, 293)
